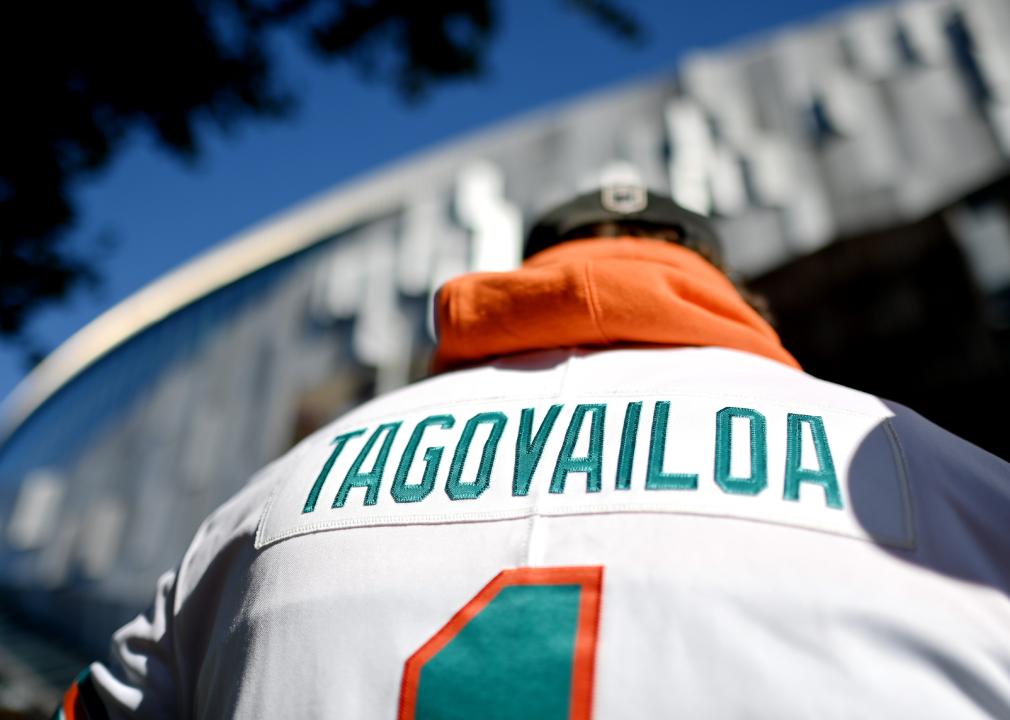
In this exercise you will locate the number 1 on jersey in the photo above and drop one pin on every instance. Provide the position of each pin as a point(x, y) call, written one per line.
point(523, 647)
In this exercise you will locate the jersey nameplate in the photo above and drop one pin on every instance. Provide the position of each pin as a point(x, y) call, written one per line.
point(841, 472)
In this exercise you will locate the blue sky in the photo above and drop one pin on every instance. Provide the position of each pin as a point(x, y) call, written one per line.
point(162, 212)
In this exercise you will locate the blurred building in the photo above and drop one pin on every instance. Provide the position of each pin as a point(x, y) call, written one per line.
point(858, 168)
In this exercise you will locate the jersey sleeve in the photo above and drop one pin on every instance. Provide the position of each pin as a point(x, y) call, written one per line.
point(140, 679)
point(960, 497)
point(156, 658)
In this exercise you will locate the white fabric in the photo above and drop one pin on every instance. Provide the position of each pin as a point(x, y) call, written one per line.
point(714, 604)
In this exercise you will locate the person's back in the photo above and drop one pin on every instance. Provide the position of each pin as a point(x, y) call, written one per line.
point(713, 533)
point(634, 504)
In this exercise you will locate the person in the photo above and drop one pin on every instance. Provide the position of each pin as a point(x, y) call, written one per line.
point(618, 496)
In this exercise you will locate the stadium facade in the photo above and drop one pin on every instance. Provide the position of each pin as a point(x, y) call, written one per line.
point(858, 169)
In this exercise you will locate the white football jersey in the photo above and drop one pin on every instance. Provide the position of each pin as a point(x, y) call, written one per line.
point(694, 533)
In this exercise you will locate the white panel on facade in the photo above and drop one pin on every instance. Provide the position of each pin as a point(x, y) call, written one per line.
point(54, 560)
point(804, 60)
point(642, 143)
point(450, 262)
point(235, 389)
point(381, 332)
point(773, 107)
point(999, 117)
point(707, 78)
point(871, 156)
point(692, 155)
point(729, 192)
point(988, 21)
point(289, 373)
point(872, 37)
point(210, 451)
point(946, 145)
point(100, 537)
point(337, 287)
point(587, 181)
point(203, 445)
point(796, 73)
point(923, 22)
point(619, 172)
point(592, 140)
point(994, 61)
point(495, 225)
point(150, 507)
point(852, 104)
point(753, 242)
point(770, 169)
point(36, 509)
point(723, 88)
point(983, 232)
point(808, 219)
point(423, 226)
point(738, 123)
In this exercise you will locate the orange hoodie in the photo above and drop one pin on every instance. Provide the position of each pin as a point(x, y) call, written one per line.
point(598, 293)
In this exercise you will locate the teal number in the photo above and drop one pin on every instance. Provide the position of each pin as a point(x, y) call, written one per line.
point(523, 648)
point(532, 630)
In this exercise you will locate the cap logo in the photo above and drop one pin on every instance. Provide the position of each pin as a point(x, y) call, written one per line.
point(624, 199)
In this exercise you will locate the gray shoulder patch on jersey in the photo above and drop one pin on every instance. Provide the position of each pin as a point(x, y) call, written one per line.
point(751, 459)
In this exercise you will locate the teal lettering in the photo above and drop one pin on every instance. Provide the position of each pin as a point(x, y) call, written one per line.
point(656, 479)
point(796, 473)
point(338, 445)
point(529, 450)
point(591, 464)
point(629, 439)
point(758, 479)
point(371, 479)
point(401, 491)
point(455, 488)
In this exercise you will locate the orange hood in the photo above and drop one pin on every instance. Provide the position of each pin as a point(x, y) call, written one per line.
point(598, 293)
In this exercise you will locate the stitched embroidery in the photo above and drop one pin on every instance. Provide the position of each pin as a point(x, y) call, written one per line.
point(591, 464)
point(401, 491)
point(528, 451)
point(523, 647)
point(731, 456)
point(338, 445)
point(371, 479)
point(629, 439)
point(656, 479)
point(455, 488)
point(796, 473)
point(758, 479)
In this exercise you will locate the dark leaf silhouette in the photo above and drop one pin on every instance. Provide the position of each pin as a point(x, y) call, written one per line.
point(80, 78)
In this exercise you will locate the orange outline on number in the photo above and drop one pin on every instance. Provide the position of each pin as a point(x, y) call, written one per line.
point(70, 702)
point(591, 581)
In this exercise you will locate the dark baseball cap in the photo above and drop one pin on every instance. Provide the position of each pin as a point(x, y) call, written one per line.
point(618, 204)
